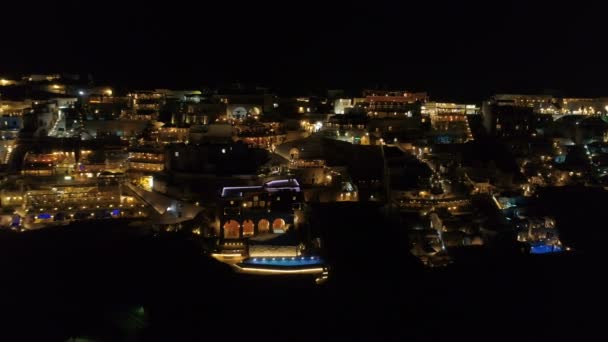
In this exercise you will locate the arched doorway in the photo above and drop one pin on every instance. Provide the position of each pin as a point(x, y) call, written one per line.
point(263, 226)
point(294, 153)
point(232, 229)
point(278, 225)
point(248, 228)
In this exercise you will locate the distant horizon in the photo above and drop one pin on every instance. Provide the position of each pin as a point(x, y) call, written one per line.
point(289, 89)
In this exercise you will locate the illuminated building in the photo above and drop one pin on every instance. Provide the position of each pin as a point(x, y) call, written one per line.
point(199, 113)
point(378, 103)
point(341, 106)
point(101, 160)
point(584, 106)
point(9, 130)
point(248, 211)
point(349, 128)
point(44, 117)
point(146, 159)
point(11, 121)
point(242, 111)
point(7, 82)
point(439, 109)
point(332, 170)
point(170, 134)
point(320, 183)
point(41, 77)
point(48, 164)
point(261, 135)
point(11, 198)
point(541, 234)
point(55, 88)
point(102, 103)
point(299, 106)
point(14, 108)
point(242, 103)
point(547, 104)
point(536, 102)
point(146, 104)
point(449, 120)
point(83, 198)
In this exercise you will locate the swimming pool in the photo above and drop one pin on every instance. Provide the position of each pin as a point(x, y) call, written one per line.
point(285, 261)
point(544, 249)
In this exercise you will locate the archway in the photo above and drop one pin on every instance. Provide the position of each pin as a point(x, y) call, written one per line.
point(278, 225)
point(263, 226)
point(294, 153)
point(248, 227)
point(231, 229)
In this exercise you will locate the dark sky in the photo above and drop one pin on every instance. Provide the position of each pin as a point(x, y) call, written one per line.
point(450, 48)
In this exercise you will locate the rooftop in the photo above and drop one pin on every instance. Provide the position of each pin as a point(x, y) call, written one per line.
point(271, 186)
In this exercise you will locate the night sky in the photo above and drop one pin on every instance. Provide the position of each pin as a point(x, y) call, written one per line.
point(453, 49)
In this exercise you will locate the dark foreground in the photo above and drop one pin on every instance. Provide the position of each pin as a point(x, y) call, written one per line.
point(111, 282)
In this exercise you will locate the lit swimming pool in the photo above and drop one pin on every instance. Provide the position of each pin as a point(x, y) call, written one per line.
point(544, 249)
point(285, 261)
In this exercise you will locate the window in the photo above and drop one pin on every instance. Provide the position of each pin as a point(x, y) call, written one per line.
point(231, 229)
point(278, 225)
point(263, 226)
point(248, 228)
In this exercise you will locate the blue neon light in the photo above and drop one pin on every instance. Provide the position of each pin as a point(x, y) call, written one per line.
point(285, 261)
point(115, 212)
point(44, 216)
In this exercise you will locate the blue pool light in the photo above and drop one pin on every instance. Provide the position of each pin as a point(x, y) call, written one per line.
point(285, 261)
point(542, 248)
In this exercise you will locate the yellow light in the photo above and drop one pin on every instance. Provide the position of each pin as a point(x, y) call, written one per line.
point(279, 271)
point(225, 255)
point(108, 92)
